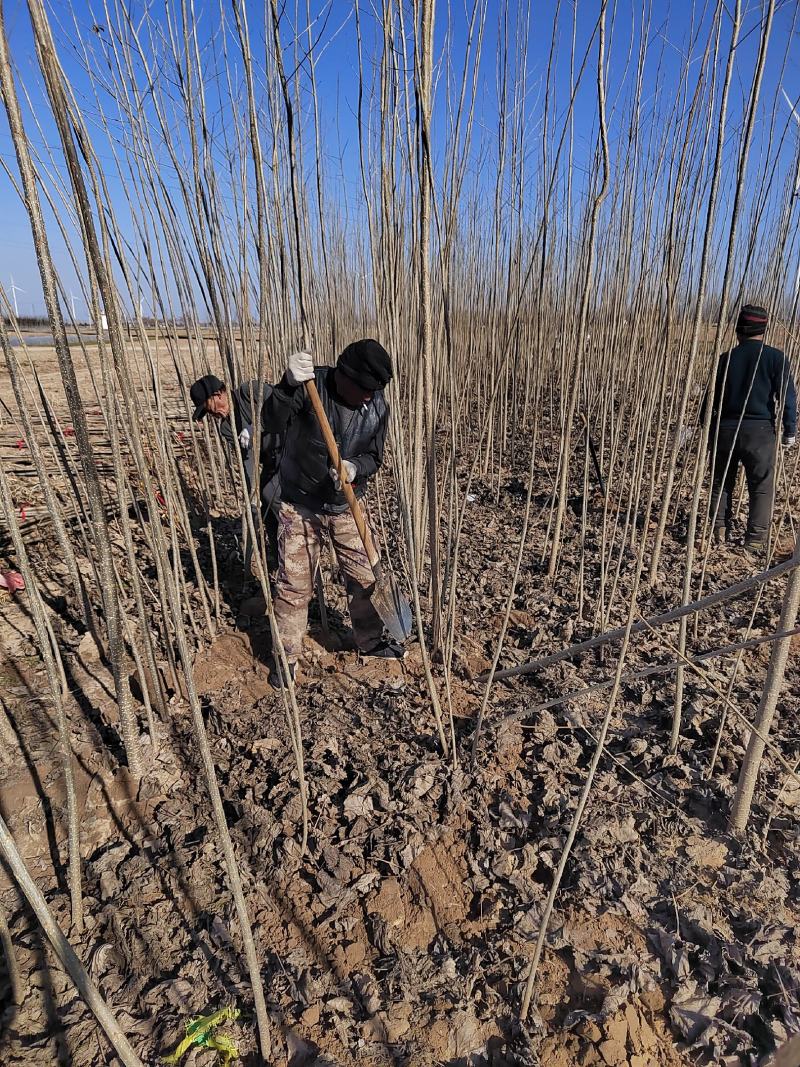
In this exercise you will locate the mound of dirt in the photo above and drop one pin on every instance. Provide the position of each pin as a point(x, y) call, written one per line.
point(405, 932)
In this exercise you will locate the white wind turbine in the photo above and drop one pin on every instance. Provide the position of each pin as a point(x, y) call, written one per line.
point(14, 290)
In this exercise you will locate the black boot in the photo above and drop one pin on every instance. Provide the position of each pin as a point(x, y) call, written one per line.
point(276, 675)
point(755, 545)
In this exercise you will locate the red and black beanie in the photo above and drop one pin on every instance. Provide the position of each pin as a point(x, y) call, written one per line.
point(752, 320)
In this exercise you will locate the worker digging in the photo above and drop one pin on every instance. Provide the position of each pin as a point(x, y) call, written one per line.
point(334, 422)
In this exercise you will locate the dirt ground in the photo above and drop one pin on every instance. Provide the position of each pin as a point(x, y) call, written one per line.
point(404, 934)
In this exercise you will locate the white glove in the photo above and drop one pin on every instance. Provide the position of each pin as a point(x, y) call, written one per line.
point(686, 436)
point(349, 473)
point(788, 442)
point(300, 368)
point(244, 438)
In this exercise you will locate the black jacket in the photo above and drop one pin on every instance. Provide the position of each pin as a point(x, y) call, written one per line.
point(758, 376)
point(241, 417)
point(360, 434)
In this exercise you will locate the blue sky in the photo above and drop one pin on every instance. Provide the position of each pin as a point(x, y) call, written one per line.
point(337, 77)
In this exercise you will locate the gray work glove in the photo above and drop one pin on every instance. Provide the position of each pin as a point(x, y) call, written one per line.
point(686, 436)
point(787, 441)
point(300, 368)
point(244, 439)
point(349, 472)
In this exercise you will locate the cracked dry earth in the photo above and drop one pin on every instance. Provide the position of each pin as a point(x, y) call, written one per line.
point(404, 934)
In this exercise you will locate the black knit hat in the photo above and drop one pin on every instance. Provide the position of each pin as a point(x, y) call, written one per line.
point(752, 320)
point(202, 389)
point(367, 363)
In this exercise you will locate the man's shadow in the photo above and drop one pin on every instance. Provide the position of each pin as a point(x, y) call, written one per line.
point(229, 567)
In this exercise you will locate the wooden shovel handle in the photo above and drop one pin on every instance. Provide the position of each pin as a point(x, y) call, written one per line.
point(347, 489)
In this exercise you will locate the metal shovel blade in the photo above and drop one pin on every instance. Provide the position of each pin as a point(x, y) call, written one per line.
point(392, 607)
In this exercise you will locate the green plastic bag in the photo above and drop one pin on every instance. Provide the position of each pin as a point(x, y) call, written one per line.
point(199, 1031)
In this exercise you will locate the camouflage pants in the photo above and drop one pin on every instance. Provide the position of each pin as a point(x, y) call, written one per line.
point(299, 539)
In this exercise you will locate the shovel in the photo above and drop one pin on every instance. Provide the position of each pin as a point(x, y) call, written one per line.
point(392, 607)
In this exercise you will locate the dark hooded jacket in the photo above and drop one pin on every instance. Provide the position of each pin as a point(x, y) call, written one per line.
point(241, 417)
point(360, 434)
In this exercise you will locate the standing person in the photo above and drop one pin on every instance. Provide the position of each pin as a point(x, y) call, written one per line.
point(312, 499)
point(754, 389)
point(233, 413)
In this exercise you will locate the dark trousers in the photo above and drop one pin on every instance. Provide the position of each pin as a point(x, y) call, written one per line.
point(270, 506)
point(752, 445)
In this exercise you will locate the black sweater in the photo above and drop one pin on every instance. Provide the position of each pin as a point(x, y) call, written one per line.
point(758, 377)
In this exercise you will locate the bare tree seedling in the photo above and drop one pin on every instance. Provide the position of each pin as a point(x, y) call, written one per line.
point(556, 824)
